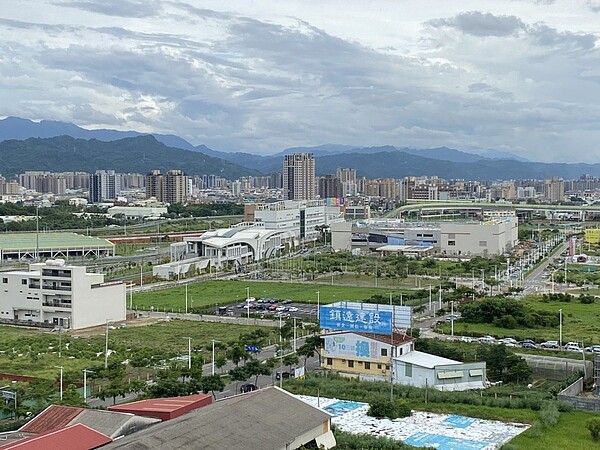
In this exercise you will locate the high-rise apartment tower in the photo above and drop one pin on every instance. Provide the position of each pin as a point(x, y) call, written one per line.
point(299, 176)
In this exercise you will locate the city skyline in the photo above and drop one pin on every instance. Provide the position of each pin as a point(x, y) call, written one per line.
point(519, 76)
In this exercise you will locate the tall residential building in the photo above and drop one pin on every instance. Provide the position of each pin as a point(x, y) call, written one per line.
point(172, 187)
point(329, 187)
point(554, 189)
point(299, 176)
point(104, 185)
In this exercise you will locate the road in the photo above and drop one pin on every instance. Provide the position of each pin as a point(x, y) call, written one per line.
point(534, 281)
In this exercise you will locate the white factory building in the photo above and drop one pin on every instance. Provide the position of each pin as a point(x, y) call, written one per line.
point(453, 238)
point(61, 295)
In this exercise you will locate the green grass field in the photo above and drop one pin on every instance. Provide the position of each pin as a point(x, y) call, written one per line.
point(32, 352)
point(569, 434)
point(210, 293)
point(580, 321)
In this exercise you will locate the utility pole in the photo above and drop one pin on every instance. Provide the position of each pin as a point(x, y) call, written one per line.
point(61, 380)
point(106, 346)
point(85, 372)
point(189, 352)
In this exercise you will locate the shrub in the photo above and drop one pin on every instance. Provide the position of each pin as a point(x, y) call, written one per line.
point(549, 414)
point(593, 425)
point(381, 407)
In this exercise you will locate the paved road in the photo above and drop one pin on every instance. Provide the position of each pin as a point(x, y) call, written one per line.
point(535, 282)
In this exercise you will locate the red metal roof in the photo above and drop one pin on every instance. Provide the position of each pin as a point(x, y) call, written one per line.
point(75, 437)
point(52, 418)
point(164, 408)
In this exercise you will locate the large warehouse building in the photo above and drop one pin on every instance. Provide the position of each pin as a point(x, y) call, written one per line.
point(40, 246)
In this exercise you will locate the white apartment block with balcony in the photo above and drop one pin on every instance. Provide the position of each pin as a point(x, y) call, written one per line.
point(60, 295)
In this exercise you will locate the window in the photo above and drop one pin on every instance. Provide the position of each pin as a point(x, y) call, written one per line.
point(408, 370)
point(379, 366)
point(483, 243)
point(367, 365)
point(350, 363)
point(451, 243)
point(330, 361)
point(384, 352)
point(24, 281)
point(5, 280)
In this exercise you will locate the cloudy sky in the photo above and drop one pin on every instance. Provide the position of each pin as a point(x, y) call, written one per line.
point(514, 75)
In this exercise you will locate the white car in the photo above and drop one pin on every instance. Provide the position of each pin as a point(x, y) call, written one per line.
point(572, 347)
point(292, 309)
point(467, 339)
point(509, 342)
point(487, 340)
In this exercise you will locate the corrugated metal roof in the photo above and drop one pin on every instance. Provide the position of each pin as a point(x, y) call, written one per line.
point(52, 418)
point(113, 424)
point(425, 359)
point(169, 404)
point(74, 437)
point(265, 419)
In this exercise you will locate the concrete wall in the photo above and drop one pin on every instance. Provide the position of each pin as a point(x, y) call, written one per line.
point(571, 395)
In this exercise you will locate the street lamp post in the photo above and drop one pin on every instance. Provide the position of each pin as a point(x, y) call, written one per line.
point(560, 328)
point(85, 372)
point(213, 356)
point(318, 306)
point(186, 299)
point(61, 381)
point(248, 303)
point(189, 352)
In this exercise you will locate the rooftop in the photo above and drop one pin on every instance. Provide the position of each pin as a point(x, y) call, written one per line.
point(48, 241)
point(425, 359)
point(269, 418)
point(74, 437)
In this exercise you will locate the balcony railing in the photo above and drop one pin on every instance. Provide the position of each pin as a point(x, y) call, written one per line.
point(57, 288)
point(57, 304)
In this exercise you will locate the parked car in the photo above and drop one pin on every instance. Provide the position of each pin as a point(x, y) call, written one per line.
point(528, 344)
point(593, 349)
point(467, 339)
point(487, 340)
point(509, 342)
point(572, 347)
point(292, 309)
point(284, 375)
point(549, 344)
point(249, 387)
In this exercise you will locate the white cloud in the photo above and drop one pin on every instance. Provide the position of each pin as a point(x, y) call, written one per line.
point(259, 77)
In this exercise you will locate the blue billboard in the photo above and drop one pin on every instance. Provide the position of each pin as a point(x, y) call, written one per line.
point(353, 319)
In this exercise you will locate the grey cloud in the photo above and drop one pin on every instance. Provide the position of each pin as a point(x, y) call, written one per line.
point(551, 37)
point(481, 24)
point(119, 8)
point(594, 5)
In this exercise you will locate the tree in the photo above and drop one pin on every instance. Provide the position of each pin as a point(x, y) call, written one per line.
point(593, 424)
point(255, 368)
point(212, 383)
point(238, 374)
point(314, 342)
point(237, 353)
point(220, 361)
point(290, 360)
point(71, 397)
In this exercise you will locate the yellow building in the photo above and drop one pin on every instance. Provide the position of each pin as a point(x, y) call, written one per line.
point(592, 235)
point(366, 355)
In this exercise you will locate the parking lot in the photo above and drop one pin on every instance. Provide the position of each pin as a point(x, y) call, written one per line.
point(270, 308)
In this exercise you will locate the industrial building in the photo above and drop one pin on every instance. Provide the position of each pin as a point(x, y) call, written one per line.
point(57, 294)
point(36, 246)
point(452, 238)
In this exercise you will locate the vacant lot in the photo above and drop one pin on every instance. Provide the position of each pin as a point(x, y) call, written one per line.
point(580, 322)
point(209, 293)
point(33, 352)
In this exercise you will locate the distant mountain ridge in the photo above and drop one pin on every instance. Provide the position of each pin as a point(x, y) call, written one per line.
point(122, 151)
point(139, 154)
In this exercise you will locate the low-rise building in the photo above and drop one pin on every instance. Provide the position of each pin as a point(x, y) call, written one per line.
point(422, 369)
point(363, 355)
point(61, 295)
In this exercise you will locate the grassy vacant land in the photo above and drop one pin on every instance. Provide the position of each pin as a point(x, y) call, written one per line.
point(209, 293)
point(35, 353)
point(569, 433)
point(580, 321)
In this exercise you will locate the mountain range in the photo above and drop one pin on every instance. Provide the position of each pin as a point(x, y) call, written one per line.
point(59, 146)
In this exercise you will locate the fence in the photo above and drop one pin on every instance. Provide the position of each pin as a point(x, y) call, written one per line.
point(571, 394)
